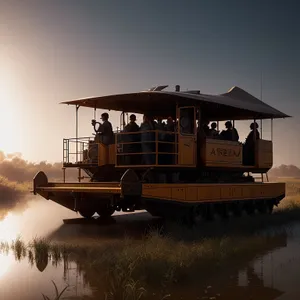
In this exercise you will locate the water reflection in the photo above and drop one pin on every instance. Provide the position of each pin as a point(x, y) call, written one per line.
point(244, 278)
point(9, 227)
point(269, 271)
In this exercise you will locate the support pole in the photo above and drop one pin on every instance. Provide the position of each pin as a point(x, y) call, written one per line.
point(261, 95)
point(64, 174)
point(77, 107)
point(79, 175)
point(156, 147)
point(271, 129)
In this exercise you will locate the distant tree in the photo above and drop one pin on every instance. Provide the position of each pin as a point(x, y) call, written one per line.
point(285, 171)
point(19, 170)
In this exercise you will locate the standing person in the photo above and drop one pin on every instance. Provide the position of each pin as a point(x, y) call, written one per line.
point(206, 127)
point(106, 130)
point(235, 135)
point(132, 126)
point(170, 124)
point(132, 139)
point(230, 134)
point(249, 147)
point(250, 139)
point(170, 138)
point(214, 133)
point(148, 140)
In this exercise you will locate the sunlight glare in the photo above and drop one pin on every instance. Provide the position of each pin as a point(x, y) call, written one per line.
point(9, 228)
point(5, 263)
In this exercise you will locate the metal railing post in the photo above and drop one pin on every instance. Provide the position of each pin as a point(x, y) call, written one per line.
point(272, 129)
point(156, 147)
point(79, 174)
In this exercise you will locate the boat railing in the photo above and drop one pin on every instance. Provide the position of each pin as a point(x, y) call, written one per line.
point(141, 148)
point(76, 150)
point(151, 147)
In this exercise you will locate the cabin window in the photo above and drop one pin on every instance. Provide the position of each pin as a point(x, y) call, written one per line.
point(187, 120)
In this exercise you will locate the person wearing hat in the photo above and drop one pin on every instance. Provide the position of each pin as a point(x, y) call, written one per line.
point(106, 130)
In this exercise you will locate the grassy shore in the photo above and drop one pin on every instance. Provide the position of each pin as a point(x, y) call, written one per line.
point(126, 269)
point(12, 195)
point(13, 187)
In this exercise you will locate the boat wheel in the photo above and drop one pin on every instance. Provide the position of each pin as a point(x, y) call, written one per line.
point(250, 208)
point(106, 211)
point(187, 217)
point(148, 176)
point(262, 207)
point(86, 213)
point(200, 213)
point(209, 212)
point(269, 208)
point(220, 211)
point(236, 209)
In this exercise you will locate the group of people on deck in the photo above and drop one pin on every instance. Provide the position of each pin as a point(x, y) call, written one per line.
point(143, 138)
point(231, 134)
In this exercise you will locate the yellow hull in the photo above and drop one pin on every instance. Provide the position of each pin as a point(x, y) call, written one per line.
point(199, 193)
point(159, 199)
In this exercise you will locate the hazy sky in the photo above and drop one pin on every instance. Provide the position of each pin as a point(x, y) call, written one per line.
point(53, 51)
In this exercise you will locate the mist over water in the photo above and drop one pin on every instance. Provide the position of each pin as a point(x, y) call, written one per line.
point(37, 218)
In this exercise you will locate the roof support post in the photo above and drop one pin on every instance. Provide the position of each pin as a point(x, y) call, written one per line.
point(122, 120)
point(77, 108)
point(177, 132)
point(261, 128)
point(272, 129)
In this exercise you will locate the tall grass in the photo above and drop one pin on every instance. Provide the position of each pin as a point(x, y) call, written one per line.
point(58, 294)
point(130, 269)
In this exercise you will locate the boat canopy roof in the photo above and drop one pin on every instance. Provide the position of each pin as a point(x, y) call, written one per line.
point(236, 104)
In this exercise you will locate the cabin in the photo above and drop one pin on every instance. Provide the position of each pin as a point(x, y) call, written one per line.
point(186, 148)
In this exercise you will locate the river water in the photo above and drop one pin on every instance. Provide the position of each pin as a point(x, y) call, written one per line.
point(271, 274)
